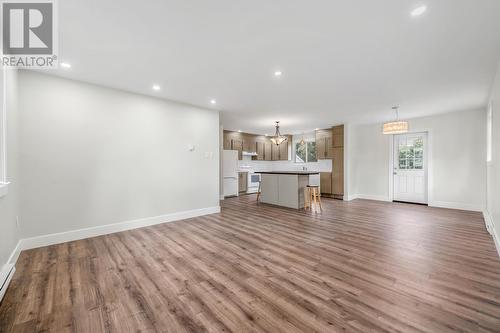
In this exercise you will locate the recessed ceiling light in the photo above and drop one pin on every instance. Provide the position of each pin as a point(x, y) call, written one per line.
point(239, 131)
point(316, 129)
point(266, 134)
point(419, 11)
point(213, 101)
point(156, 87)
point(278, 73)
point(65, 65)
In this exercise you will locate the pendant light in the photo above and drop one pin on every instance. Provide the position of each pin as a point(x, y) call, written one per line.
point(302, 141)
point(278, 139)
point(396, 127)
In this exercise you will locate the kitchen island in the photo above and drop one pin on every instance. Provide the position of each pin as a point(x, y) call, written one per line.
point(284, 188)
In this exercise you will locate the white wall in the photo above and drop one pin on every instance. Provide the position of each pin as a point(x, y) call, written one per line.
point(9, 235)
point(458, 159)
point(494, 166)
point(92, 156)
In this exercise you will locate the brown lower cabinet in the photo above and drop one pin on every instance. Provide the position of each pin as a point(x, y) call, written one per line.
point(338, 173)
point(332, 183)
point(325, 179)
point(242, 181)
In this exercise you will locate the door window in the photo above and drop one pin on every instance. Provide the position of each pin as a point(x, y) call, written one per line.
point(411, 154)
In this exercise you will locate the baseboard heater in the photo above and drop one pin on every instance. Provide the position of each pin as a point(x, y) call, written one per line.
point(5, 276)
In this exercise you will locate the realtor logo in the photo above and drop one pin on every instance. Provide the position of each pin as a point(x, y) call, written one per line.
point(29, 36)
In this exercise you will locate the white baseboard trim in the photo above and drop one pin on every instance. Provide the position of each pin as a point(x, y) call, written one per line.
point(439, 204)
point(6, 274)
point(490, 226)
point(15, 253)
point(62, 237)
point(457, 205)
point(350, 197)
point(488, 222)
point(372, 197)
point(496, 239)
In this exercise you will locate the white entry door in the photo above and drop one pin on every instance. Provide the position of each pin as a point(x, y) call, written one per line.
point(410, 167)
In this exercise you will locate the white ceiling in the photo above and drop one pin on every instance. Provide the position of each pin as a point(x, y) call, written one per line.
point(343, 60)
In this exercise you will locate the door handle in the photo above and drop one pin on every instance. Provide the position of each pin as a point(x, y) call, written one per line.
point(394, 173)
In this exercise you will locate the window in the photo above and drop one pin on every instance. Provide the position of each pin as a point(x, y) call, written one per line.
point(489, 134)
point(305, 151)
point(411, 154)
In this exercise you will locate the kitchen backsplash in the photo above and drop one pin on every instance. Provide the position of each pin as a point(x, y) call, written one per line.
point(320, 166)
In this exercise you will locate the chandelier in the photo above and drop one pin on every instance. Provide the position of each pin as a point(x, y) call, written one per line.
point(396, 127)
point(278, 139)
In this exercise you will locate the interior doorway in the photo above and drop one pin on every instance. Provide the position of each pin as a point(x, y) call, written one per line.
point(410, 168)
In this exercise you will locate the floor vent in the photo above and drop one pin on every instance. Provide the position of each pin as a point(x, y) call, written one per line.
point(5, 276)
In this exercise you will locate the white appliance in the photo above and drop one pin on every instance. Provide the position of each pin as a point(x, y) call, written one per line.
point(253, 182)
point(230, 172)
point(314, 180)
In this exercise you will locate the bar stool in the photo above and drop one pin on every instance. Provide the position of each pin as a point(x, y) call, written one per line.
point(311, 193)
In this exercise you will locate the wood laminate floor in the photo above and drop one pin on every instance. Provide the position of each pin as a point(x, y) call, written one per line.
point(360, 266)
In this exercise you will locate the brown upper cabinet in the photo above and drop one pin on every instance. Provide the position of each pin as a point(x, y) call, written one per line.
point(268, 151)
point(338, 136)
point(237, 145)
point(260, 150)
point(226, 142)
point(259, 144)
point(327, 139)
point(249, 143)
point(275, 152)
point(284, 148)
point(284, 151)
point(324, 143)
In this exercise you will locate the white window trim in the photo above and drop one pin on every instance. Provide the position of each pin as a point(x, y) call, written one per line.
point(4, 184)
point(308, 137)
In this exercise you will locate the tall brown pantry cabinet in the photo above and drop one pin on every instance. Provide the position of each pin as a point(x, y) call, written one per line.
point(330, 146)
